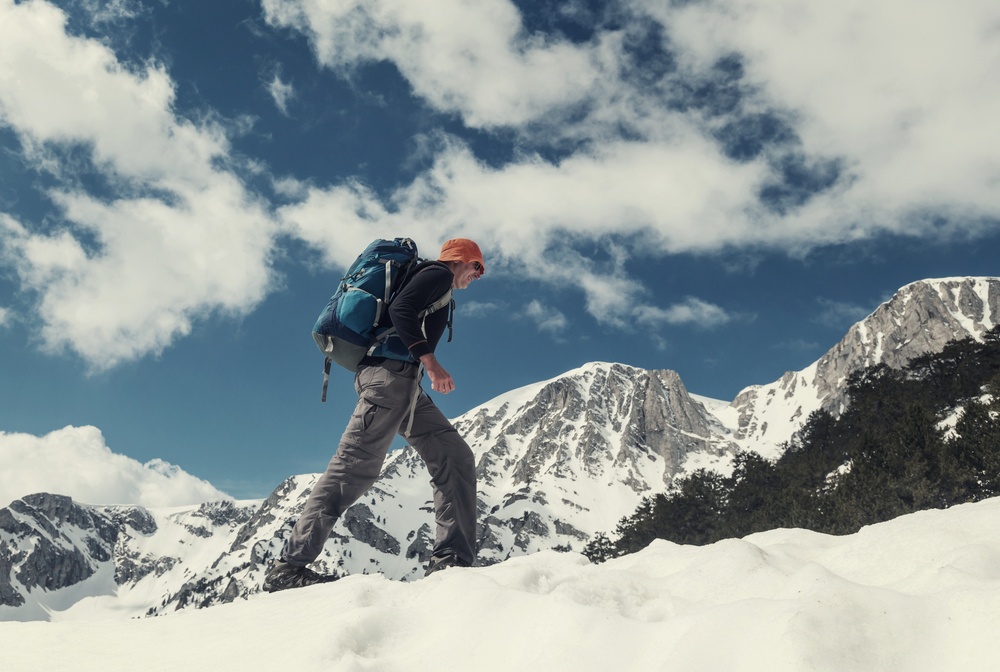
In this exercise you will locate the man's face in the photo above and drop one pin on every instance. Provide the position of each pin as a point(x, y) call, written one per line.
point(465, 273)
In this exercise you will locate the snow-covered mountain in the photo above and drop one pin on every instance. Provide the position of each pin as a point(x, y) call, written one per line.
point(919, 319)
point(558, 461)
point(56, 553)
point(561, 460)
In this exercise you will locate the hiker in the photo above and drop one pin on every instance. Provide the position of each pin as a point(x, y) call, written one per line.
point(390, 402)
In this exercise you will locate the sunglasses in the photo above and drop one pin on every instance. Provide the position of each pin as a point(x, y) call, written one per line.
point(479, 267)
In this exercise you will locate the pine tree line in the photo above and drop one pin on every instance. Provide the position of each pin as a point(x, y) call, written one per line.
point(889, 453)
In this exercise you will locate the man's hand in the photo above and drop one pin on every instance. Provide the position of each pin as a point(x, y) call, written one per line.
point(441, 380)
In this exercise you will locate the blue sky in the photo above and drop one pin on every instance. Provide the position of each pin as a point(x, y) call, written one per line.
point(719, 187)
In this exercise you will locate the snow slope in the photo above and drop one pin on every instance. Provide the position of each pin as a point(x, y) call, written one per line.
point(917, 594)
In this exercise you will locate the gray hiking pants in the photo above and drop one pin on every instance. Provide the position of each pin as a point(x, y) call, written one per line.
point(385, 392)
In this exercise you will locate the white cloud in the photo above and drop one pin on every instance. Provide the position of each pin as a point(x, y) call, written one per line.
point(282, 92)
point(906, 93)
point(839, 313)
point(546, 318)
point(111, 11)
point(902, 95)
point(75, 461)
point(690, 311)
point(473, 58)
point(180, 238)
point(479, 308)
point(620, 192)
point(59, 89)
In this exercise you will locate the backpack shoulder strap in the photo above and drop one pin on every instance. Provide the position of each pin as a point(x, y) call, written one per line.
point(437, 305)
point(445, 300)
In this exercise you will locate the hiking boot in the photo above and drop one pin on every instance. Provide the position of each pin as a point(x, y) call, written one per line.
point(444, 562)
point(281, 576)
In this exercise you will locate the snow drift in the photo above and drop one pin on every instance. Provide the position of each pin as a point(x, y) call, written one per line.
point(920, 593)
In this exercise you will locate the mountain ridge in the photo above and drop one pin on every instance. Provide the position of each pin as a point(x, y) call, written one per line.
point(557, 462)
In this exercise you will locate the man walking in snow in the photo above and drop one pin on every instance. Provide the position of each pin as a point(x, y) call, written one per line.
point(386, 389)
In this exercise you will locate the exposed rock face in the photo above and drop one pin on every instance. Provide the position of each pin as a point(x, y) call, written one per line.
point(49, 543)
point(553, 457)
point(8, 594)
point(589, 419)
point(360, 520)
point(38, 553)
point(921, 318)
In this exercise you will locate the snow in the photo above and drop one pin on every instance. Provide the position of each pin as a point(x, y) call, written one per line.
point(920, 593)
point(711, 405)
point(779, 410)
point(519, 397)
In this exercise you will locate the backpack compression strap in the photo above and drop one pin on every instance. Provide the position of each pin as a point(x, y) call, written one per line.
point(380, 307)
point(326, 377)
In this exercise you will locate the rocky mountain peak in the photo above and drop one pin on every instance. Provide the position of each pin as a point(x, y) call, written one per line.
point(599, 415)
point(920, 318)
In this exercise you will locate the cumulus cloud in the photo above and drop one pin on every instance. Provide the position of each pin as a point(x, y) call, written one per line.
point(75, 461)
point(672, 128)
point(905, 92)
point(175, 237)
point(886, 113)
point(472, 58)
point(620, 192)
point(881, 114)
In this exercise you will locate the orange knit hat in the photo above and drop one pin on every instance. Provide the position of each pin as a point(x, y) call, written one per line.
point(461, 249)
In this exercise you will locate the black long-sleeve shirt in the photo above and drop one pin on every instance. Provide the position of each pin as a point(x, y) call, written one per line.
point(428, 284)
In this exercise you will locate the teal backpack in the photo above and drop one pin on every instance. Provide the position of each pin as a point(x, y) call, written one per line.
point(353, 323)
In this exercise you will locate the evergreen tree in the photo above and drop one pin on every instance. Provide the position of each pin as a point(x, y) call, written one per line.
point(976, 451)
point(886, 455)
